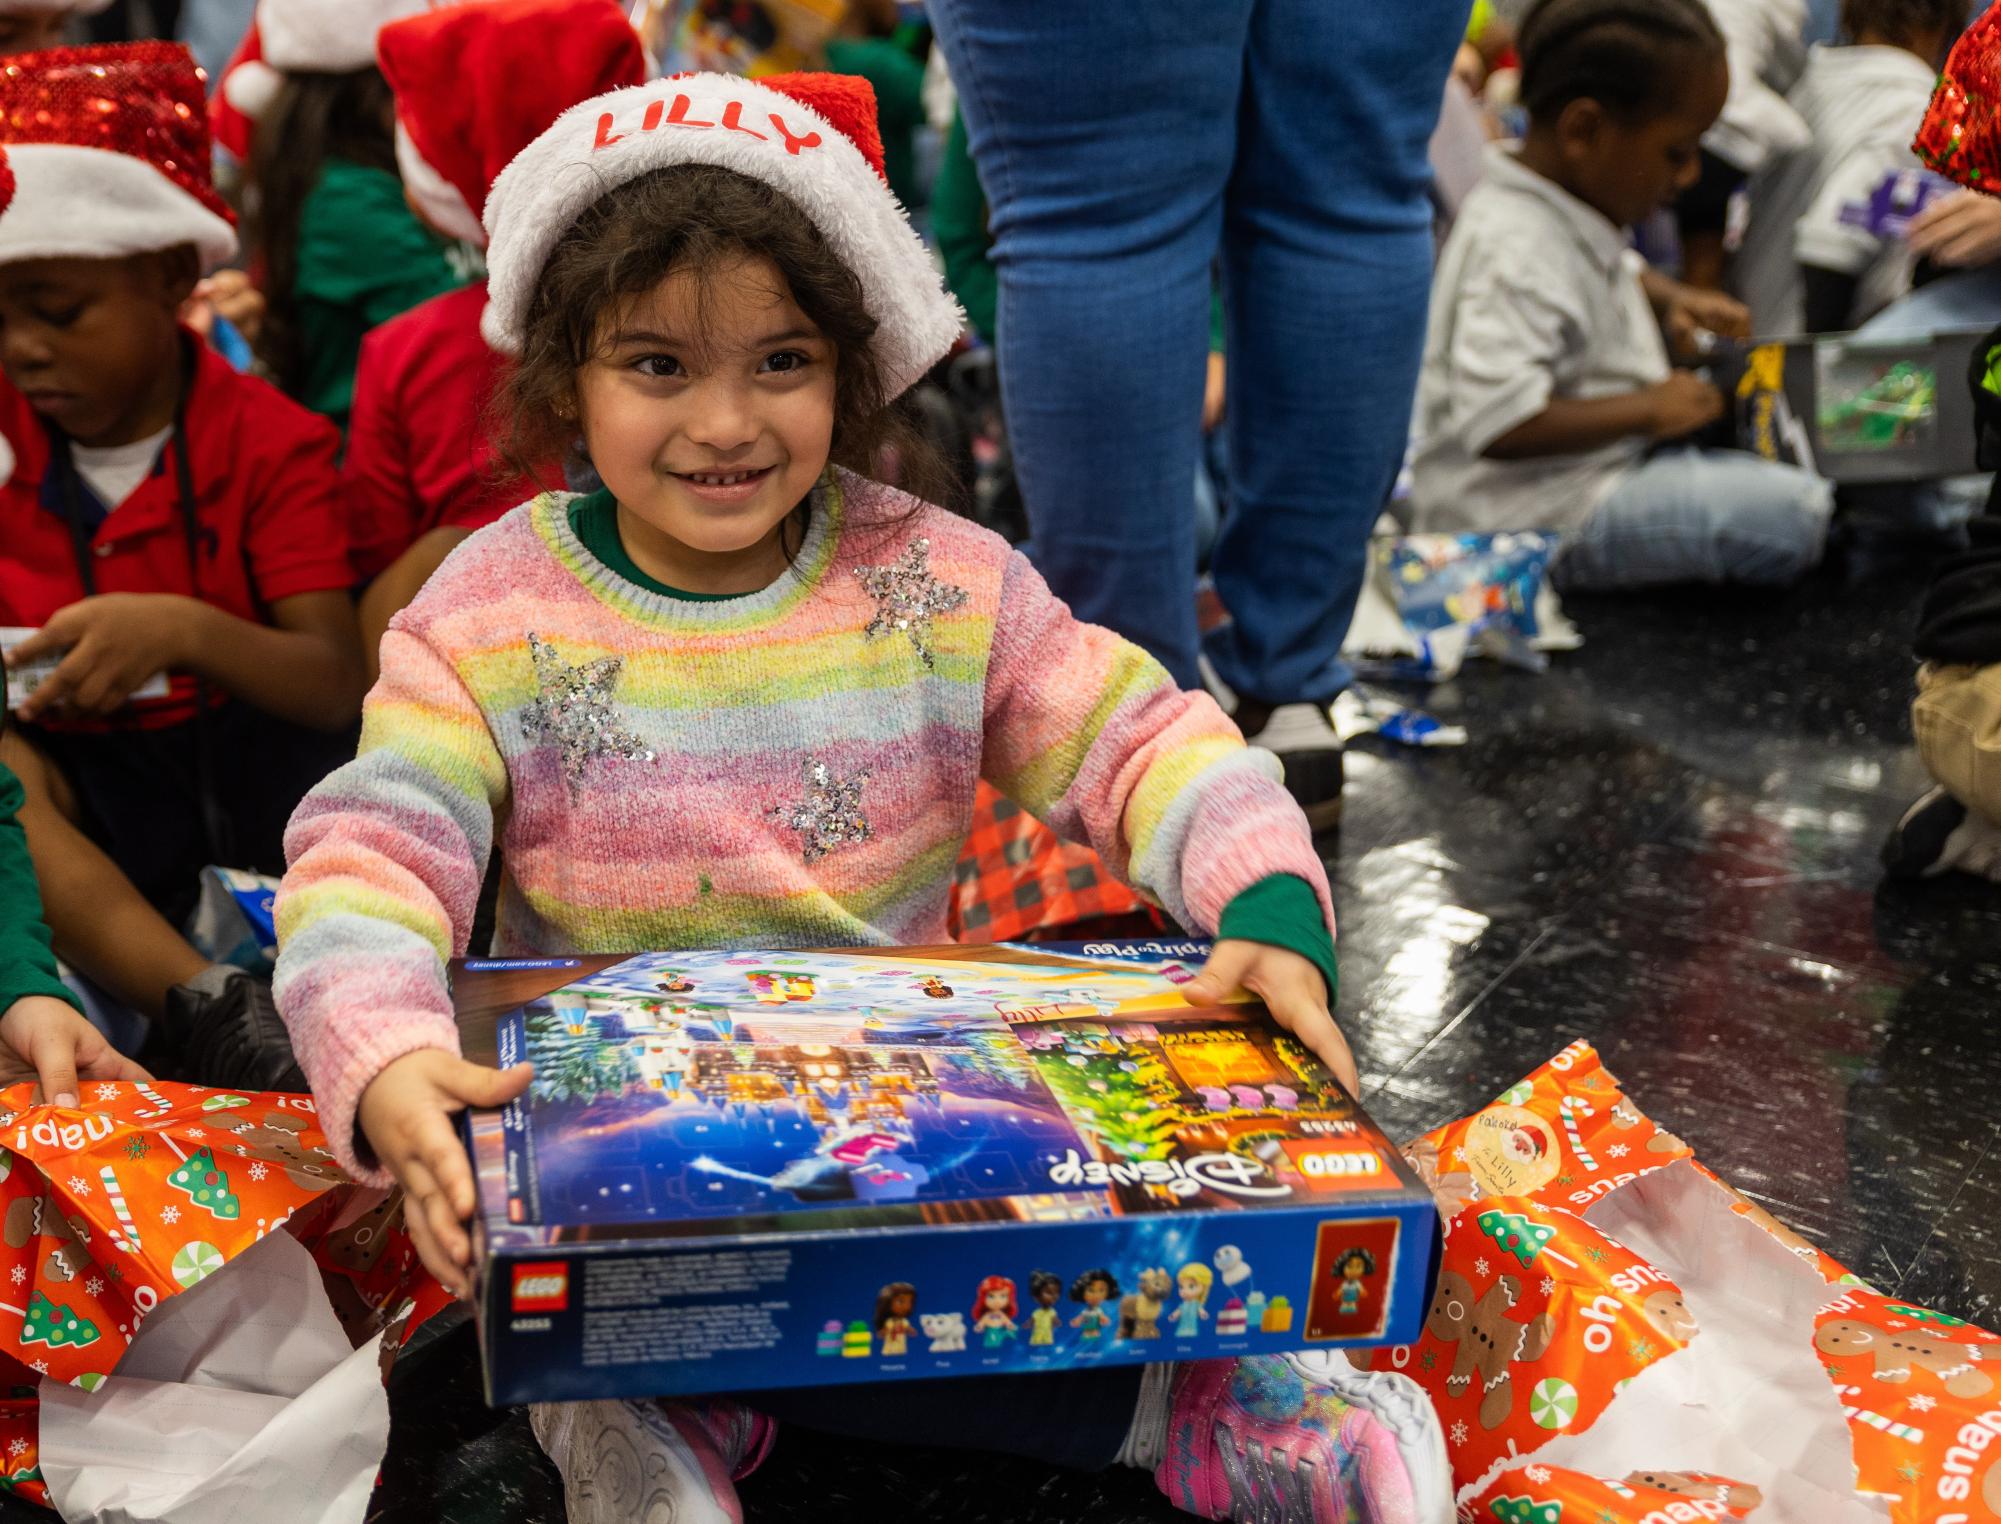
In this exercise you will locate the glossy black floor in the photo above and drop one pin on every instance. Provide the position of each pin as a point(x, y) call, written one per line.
point(1666, 845)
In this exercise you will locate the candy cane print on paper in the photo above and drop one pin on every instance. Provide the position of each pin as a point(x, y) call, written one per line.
point(1571, 1110)
point(161, 1105)
point(1889, 1426)
point(126, 1235)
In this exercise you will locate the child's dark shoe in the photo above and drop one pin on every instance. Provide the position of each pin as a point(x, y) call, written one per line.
point(222, 1028)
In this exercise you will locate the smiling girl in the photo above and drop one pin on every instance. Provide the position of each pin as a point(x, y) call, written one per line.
point(742, 697)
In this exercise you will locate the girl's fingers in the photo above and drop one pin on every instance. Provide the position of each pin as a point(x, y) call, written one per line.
point(477, 1085)
point(445, 1157)
point(430, 1252)
point(1224, 971)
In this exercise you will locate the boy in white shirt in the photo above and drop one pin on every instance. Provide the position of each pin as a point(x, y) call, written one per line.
point(1802, 267)
point(1546, 384)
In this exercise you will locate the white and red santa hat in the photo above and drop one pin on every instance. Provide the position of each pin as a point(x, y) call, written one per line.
point(812, 137)
point(108, 149)
point(298, 37)
point(476, 84)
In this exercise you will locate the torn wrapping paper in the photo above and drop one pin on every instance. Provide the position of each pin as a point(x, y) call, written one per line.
point(1535, 1494)
point(1607, 1308)
point(1431, 599)
point(112, 1209)
point(241, 1399)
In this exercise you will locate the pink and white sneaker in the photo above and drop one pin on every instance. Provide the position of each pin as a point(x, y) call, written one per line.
point(652, 1462)
point(1256, 1441)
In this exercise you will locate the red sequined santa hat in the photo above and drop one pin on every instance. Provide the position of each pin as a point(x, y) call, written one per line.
point(475, 84)
point(109, 149)
point(298, 37)
point(1961, 133)
point(812, 137)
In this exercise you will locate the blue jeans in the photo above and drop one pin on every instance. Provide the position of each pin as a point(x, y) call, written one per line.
point(1123, 149)
point(1690, 515)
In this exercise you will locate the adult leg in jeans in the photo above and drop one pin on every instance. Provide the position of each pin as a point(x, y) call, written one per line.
point(1715, 516)
point(1327, 259)
point(1104, 135)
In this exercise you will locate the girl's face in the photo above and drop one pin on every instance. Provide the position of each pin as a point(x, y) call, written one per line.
point(709, 412)
point(1192, 1290)
point(1095, 1293)
point(996, 1301)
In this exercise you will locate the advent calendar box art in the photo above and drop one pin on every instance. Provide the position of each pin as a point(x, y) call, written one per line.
point(738, 1170)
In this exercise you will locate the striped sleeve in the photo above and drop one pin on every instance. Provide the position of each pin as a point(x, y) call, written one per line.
point(385, 862)
point(1088, 732)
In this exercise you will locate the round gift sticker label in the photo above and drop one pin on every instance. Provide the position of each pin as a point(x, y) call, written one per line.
point(1511, 1151)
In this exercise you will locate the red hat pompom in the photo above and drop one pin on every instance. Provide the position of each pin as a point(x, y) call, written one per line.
point(1961, 134)
point(847, 101)
point(6, 183)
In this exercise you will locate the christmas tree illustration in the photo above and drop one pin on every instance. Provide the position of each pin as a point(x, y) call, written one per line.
point(55, 1326)
point(206, 1186)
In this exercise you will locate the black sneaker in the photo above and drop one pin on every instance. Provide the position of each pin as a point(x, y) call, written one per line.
point(222, 1028)
point(1917, 841)
point(1304, 742)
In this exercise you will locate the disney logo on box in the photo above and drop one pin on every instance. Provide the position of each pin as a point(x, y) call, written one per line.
point(1229, 1173)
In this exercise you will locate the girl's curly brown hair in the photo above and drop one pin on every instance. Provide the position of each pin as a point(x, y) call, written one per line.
point(701, 219)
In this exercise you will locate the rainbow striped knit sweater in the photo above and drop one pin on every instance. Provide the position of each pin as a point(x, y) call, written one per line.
point(795, 767)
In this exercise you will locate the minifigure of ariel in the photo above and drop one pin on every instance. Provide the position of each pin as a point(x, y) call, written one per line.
point(1193, 1283)
point(1045, 1289)
point(1353, 1267)
point(894, 1305)
point(1093, 1288)
point(994, 1311)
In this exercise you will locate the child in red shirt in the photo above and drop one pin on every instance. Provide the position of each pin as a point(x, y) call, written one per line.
point(474, 85)
point(165, 517)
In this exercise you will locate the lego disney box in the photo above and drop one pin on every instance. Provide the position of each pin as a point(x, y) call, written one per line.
point(738, 1170)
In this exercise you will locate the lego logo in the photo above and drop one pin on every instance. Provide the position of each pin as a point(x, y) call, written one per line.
point(541, 1288)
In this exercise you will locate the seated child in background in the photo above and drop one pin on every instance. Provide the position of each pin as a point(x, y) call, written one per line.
point(1802, 269)
point(1956, 719)
point(1765, 44)
point(1546, 384)
point(473, 85)
point(165, 515)
point(43, 1035)
point(336, 247)
point(743, 695)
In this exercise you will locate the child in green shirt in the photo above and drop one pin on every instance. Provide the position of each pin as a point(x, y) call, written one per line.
point(42, 1031)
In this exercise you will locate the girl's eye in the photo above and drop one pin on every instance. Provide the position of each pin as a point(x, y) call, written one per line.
point(60, 317)
point(786, 361)
point(657, 366)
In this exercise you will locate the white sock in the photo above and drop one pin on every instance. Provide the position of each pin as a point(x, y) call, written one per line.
point(1146, 1440)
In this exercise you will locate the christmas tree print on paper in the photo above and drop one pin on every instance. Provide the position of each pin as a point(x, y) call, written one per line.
point(1517, 1234)
point(57, 1327)
point(206, 1186)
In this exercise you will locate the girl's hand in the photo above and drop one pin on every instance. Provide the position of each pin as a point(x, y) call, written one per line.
point(405, 1114)
point(1963, 229)
point(1292, 988)
point(48, 1040)
point(1681, 405)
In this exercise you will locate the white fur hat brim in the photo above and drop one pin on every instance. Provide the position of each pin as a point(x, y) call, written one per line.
point(328, 36)
point(435, 196)
point(90, 203)
point(735, 124)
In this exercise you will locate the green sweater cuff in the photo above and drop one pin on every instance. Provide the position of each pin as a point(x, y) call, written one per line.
point(1283, 911)
point(27, 967)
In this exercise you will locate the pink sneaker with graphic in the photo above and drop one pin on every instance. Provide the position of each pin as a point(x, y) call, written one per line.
point(1255, 1441)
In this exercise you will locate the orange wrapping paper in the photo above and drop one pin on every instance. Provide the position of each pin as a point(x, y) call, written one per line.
point(1550, 1495)
point(1541, 1320)
point(144, 1190)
